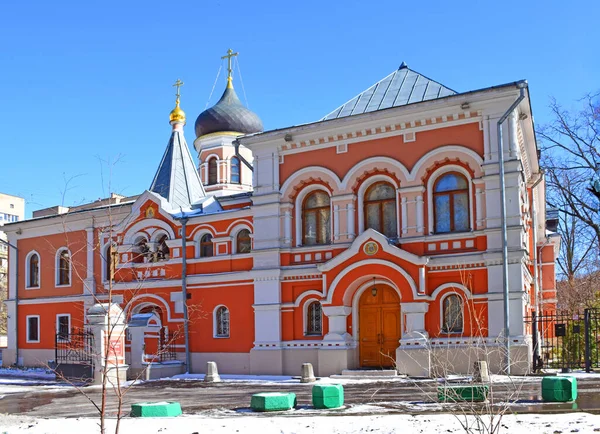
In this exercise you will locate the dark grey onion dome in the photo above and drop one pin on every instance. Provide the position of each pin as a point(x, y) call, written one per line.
point(228, 115)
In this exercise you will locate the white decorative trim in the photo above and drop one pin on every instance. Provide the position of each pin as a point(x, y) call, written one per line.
point(197, 240)
point(309, 302)
point(31, 341)
point(132, 231)
point(462, 308)
point(162, 301)
point(431, 181)
point(234, 233)
point(401, 172)
point(28, 271)
point(312, 171)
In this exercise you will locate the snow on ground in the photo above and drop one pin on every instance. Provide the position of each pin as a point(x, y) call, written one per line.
point(37, 373)
point(267, 424)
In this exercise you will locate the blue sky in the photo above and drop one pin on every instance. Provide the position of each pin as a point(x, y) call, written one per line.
point(83, 83)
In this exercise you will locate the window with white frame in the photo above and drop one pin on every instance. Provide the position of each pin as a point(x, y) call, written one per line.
point(235, 170)
point(451, 203)
point(316, 217)
point(33, 271)
point(380, 209)
point(222, 322)
point(212, 171)
point(33, 328)
point(206, 246)
point(452, 314)
point(314, 319)
point(243, 242)
point(63, 326)
point(63, 267)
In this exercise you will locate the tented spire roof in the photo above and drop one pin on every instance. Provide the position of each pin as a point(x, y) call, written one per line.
point(176, 178)
point(403, 86)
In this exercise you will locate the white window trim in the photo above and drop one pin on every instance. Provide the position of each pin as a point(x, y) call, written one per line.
point(298, 213)
point(215, 336)
point(305, 317)
point(234, 233)
point(30, 341)
point(462, 308)
point(361, 200)
point(28, 271)
point(434, 177)
point(198, 239)
point(68, 315)
point(57, 268)
point(229, 165)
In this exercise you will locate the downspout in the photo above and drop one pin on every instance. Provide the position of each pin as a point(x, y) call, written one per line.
point(536, 286)
point(236, 145)
point(534, 216)
point(16, 299)
point(504, 228)
point(186, 331)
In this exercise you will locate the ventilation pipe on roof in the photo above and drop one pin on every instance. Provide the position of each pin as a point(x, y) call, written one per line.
point(521, 85)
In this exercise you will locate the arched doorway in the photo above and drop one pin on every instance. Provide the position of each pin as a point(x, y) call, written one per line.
point(379, 326)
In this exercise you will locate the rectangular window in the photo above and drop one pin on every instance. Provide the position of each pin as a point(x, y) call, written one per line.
point(33, 329)
point(63, 327)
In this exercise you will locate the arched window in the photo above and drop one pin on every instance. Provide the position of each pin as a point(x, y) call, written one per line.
point(212, 171)
point(33, 265)
point(110, 261)
point(380, 209)
point(162, 250)
point(314, 319)
point(206, 246)
point(316, 213)
point(63, 267)
point(452, 314)
point(140, 250)
point(235, 170)
point(222, 322)
point(243, 243)
point(451, 203)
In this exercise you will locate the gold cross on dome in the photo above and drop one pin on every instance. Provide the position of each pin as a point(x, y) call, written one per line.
point(228, 56)
point(178, 84)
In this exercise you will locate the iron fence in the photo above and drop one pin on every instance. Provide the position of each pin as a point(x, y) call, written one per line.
point(75, 347)
point(566, 340)
point(166, 348)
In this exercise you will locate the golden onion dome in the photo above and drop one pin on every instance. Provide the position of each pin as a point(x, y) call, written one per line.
point(177, 115)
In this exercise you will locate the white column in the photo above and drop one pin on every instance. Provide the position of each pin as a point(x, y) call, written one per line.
point(350, 220)
point(478, 207)
point(88, 285)
point(218, 171)
point(336, 222)
point(337, 323)
point(420, 212)
point(287, 226)
point(422, 285)
point(414, 320)
point(404, 216)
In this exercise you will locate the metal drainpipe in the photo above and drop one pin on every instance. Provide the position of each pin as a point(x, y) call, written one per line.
point(536, 285)
point(186, 332)
point(236, 145)
point(534, 215)
point(504, 227)
point(16, 299)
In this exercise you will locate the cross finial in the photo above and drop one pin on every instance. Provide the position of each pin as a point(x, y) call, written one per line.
point(178, 84)
point(228, 56)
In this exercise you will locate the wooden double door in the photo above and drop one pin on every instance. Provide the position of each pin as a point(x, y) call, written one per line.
point(379, 327)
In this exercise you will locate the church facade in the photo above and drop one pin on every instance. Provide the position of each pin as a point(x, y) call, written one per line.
point(371, 238)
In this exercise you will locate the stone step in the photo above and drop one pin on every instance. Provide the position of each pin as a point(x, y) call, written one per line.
point(366, 373)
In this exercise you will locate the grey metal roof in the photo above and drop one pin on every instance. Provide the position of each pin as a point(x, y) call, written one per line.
point(403, 86)
point(176, 178)
point(228, 114)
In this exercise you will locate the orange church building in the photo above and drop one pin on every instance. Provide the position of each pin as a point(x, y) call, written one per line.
point(370, 238)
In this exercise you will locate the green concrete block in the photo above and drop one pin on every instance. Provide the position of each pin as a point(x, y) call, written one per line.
point(327, 395)
point(559, 389)
point(155, 409)
point(474, 393)
point(273, 401)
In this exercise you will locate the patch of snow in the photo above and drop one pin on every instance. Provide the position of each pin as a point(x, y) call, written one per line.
point(39, 373)
point(309, 423)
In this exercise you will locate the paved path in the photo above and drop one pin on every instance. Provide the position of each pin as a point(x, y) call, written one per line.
point(198, 397)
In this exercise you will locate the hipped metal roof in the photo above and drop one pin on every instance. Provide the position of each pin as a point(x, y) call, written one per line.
point(403, 86)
